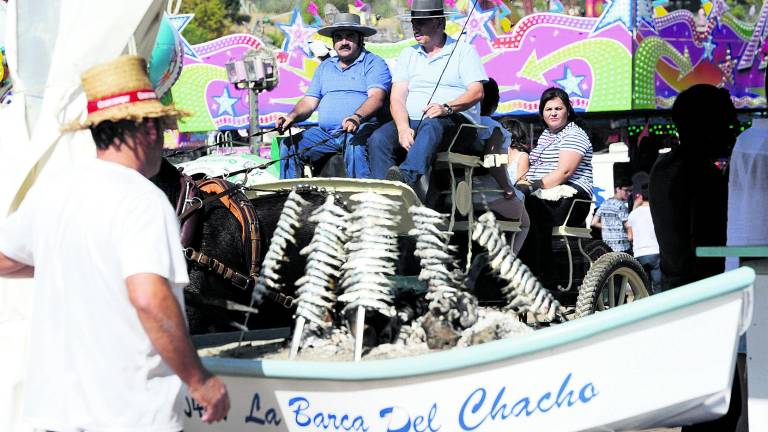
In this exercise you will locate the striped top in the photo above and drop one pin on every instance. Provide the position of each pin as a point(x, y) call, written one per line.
point(545, 155)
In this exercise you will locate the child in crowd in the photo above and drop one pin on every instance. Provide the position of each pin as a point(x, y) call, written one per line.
point(644, 242)
point(510, 139)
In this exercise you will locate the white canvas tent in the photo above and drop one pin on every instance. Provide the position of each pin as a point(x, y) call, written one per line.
point(48, 44)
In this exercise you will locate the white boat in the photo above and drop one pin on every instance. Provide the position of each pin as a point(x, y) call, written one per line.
point(665, 360)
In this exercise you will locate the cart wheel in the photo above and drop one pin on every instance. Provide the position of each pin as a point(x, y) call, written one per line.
point(614, 279)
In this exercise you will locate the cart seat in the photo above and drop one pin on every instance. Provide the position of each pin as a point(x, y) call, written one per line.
point(572, 231)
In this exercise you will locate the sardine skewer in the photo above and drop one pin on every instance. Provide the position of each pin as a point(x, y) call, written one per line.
point(372, 245)
point(325, 254)
point(296, 340)
point(359, 329)
point(524, 293)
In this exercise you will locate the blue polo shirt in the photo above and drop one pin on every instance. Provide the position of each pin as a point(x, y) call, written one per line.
point(342, 91)
point(422, 73)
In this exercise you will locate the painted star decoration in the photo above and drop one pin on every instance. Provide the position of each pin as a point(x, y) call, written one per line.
point(617, 11)
point(179, 22)
point(478, 23)
point(570, 82)
point(709, 48)
point(226, 102)
point(297, 35)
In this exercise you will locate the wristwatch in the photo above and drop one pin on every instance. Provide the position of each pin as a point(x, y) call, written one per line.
point(448, 109)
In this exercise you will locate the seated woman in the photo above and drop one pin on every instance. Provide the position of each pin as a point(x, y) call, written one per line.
point(510, 139)
point(562, 156)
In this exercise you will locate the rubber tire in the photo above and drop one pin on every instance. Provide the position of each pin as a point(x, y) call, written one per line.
point(598, 274)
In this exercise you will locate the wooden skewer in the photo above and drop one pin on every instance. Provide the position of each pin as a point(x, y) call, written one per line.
point(296, 340)
point(359, 325)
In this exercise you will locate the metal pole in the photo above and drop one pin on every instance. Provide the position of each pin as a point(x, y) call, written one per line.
point(253, 104)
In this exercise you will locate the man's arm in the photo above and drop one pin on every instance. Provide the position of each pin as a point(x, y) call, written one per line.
point(465, 101)
point(300, 112)
point(400, 114)
point(596, 222)
point(628, 227)
point(373, 103)
point(162, 319)
point(10, 268)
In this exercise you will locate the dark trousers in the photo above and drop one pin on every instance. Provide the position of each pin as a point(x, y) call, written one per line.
point(652, 266)
point(385, 151)
point(536, 252)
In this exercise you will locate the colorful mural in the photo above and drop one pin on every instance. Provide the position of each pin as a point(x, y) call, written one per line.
point(713, 47)
point(590, 58)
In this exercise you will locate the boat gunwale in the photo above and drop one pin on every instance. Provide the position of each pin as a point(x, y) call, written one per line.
point(478, 355)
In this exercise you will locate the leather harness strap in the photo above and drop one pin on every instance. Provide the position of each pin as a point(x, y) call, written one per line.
point(198, 204)
point(242, 208)
point(234, 277)
point(233, 198)
point(189, 195)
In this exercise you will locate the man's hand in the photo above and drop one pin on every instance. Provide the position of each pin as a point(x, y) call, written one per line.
point(212, 395)
point(161, 316)
point(284, 122)
point(350, 124)
point(434, 110)
point(405, 137)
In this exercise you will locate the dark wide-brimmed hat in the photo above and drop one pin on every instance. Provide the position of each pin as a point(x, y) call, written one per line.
point(347, 21)
point(427, 9)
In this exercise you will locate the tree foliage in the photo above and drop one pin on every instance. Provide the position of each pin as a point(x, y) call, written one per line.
point(232, 9)
point(211, 20)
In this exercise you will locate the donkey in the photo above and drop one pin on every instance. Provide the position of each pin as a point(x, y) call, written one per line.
point(214, 303)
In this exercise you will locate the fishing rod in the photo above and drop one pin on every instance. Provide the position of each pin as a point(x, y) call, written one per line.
point(437, 84)
point(295, 154)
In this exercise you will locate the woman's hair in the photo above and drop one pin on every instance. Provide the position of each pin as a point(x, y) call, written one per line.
point(518, 135)
point(490, 97)
point(552, 93)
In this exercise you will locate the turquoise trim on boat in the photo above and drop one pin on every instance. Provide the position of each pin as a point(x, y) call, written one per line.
point(449, 360)
point(732, 251)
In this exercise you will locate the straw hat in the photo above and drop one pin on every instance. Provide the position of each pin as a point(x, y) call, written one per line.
point(347, 21)
point(427, 9)
point(121, 90)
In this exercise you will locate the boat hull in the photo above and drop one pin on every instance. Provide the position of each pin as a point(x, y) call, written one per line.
point(663, 361)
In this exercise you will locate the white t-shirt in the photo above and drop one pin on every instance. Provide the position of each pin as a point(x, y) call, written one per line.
point(91, 365)
point(643, 236)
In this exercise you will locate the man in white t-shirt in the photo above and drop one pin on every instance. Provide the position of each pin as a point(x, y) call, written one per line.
point(109, 347)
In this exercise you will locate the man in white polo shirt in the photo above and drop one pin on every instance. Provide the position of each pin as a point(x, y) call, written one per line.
point(404, 148)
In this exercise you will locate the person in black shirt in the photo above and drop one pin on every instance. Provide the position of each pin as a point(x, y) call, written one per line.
point(689, 188)
point(689, 207)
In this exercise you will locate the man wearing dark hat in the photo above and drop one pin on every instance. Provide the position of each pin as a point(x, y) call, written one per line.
point(347, 91)
point(437, 84)
point(109, 347)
